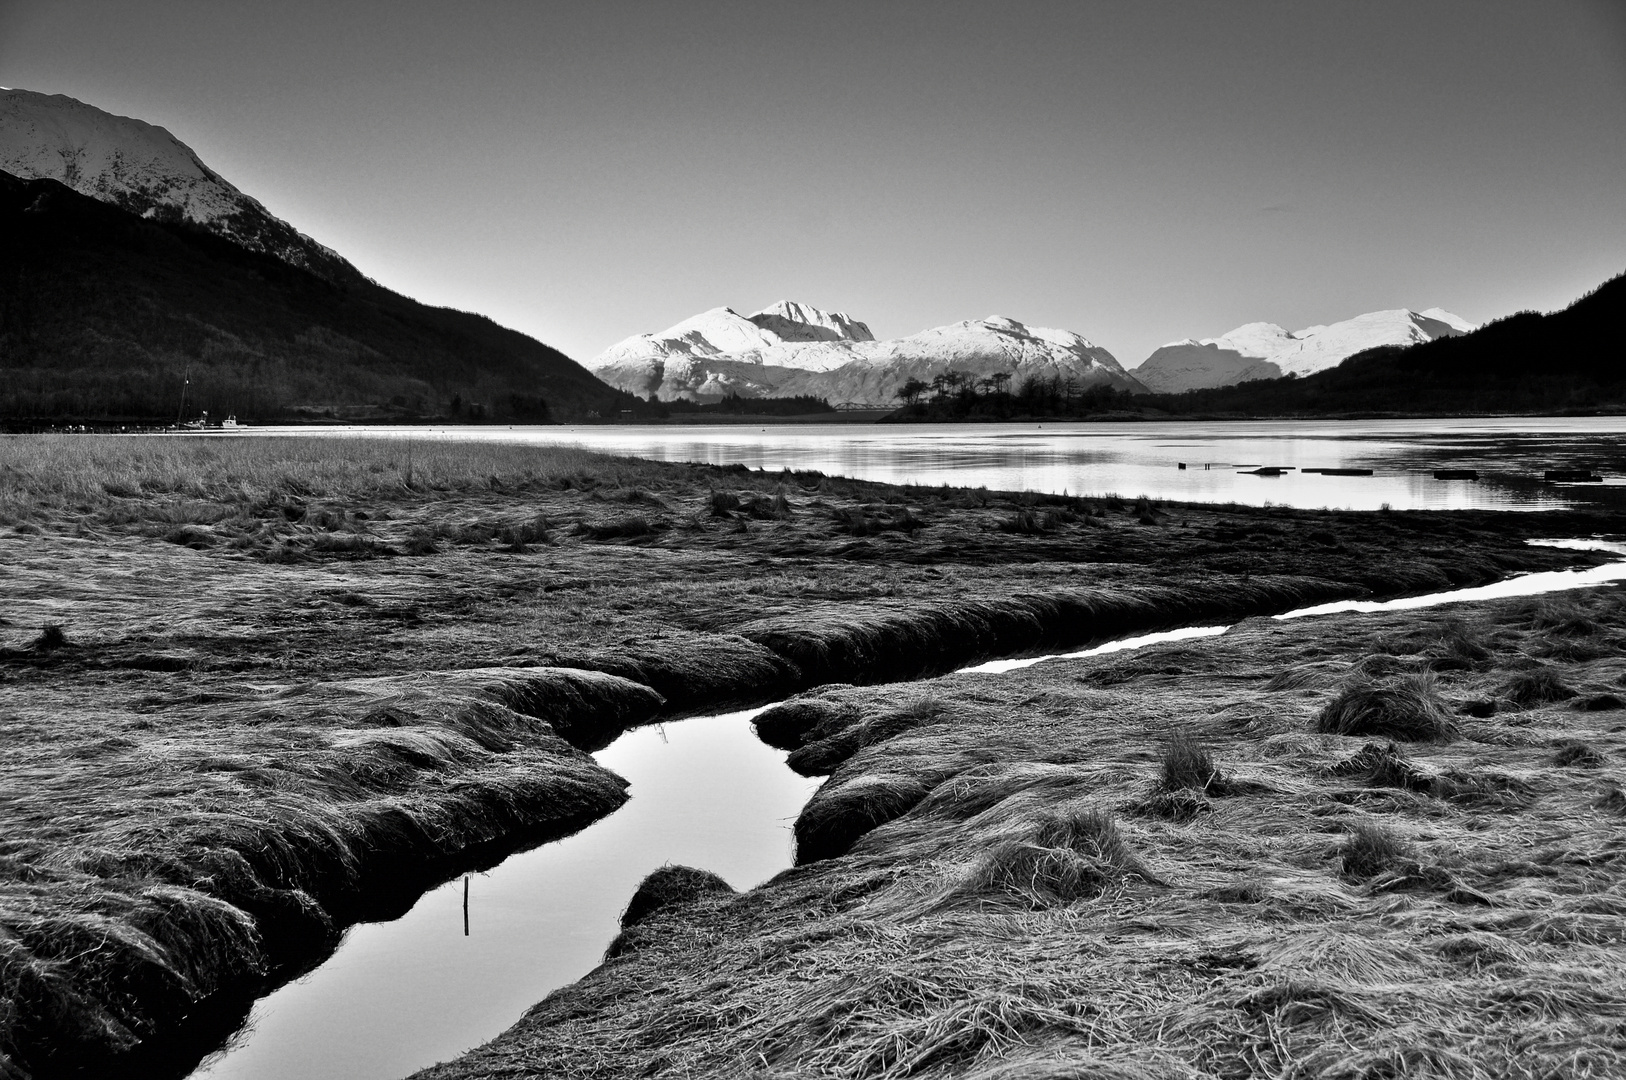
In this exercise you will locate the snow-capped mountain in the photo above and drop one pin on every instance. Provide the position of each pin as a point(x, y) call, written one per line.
point(1266, 351)
point(144, 169)
point(791, 348)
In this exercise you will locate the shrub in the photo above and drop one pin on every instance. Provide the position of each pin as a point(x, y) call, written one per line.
point(1408, 710)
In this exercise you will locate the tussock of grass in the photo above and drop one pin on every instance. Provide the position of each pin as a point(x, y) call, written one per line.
point(1536, 687)
point(1370, 850)
point(1071, 854)
point(632, 527)
point(1573, 753)
point(670, 888)
point(1459, 648)
point(808, 717)
point(667, 887)
point(1187, 764)
point(51, 637)
point(1383, 766)
point(841, 812)
point(1562, 616)
point(1408, 710)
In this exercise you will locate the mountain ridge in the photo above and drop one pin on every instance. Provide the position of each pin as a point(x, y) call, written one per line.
point(1262, 350)
point(830, 355)
point(1569, 360)
point(104, 314)
point(145, 169)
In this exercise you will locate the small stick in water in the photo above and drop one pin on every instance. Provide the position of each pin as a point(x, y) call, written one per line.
point(465, 905)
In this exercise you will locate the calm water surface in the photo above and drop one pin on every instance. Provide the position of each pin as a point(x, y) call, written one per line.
point(402, 995)
point(1143, 459)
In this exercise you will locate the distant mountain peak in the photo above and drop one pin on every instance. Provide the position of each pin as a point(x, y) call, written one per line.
point(792, 321)
point(143, 168)
point(1262, 350)
point(790, 348)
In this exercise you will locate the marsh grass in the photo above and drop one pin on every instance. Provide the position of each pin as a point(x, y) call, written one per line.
point(1400, 909)
point(1408, 709)
point(1369, 850)
point(1536, 687)
point(1059, 858)
point(140, 723)
point(1186, 763)
point(234, 847)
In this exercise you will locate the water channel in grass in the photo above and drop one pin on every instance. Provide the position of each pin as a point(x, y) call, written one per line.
point(403, 995)
point(1510, 454)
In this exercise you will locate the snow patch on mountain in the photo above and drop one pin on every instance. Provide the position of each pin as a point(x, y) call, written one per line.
point(791, 348)
point(801, 322)
point(143, 168)
point(1266, 351)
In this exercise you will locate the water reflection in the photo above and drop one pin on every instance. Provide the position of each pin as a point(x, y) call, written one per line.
point(1511, 455)
point(402, 995)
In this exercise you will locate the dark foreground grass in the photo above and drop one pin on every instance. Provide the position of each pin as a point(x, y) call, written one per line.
point(160, 868)
point(999, 905)
point(222, 748)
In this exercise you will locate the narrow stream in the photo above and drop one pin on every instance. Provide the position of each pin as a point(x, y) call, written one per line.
point(402, 995)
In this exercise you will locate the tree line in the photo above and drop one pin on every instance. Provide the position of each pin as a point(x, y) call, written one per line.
point(957, 395)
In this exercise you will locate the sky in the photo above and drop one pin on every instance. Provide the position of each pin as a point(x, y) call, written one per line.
point(1137, 171)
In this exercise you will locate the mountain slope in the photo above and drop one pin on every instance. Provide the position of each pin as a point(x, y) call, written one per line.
point(103, 313)
point(791, 349)
point(1266, 351)
point(142, 168)
point(1572, 359)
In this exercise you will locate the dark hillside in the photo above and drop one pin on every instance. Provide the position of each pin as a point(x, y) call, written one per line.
point(103, 314)
point(1569, 360)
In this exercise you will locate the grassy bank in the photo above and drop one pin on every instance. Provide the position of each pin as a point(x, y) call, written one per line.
point(213, 652)
point(1349, 846)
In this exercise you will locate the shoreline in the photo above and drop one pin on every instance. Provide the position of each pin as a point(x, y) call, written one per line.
point(868, 582)
point(1203, 858)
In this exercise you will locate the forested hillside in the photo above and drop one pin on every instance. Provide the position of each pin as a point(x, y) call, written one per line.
point(104, 315)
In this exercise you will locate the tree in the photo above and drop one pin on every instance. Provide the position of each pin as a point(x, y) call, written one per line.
point(909, 393)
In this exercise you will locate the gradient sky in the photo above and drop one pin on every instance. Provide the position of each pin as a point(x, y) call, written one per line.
point(1138, 171)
